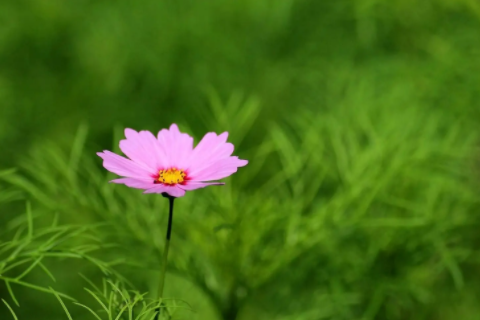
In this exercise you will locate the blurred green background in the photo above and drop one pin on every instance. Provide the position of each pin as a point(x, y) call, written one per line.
point(360, 119)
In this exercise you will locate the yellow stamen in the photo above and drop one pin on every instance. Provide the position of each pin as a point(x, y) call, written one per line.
point(171, 176)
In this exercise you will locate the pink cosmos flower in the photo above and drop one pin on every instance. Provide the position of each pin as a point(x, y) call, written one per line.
point(169, 163)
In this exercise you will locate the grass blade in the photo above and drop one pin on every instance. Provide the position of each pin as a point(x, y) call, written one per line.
point(11, 310)
point(61, 302)
point(10, 291)
point(89, 309)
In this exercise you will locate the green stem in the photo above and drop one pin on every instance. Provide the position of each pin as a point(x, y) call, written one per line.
point(165, 254)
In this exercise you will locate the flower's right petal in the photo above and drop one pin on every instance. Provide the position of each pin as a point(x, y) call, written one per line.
point(193, 185)
point(173, 191)
point(210, 149)
point(143, 148)
point(135, 183)
point(219, 170)
point(124, 167)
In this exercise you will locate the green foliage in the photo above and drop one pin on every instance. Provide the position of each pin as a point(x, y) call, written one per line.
point(359, 202)
point(116, 302)
point(359, 119)
point(29, 249)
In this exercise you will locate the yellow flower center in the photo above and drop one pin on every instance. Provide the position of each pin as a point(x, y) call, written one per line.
point(171, 176)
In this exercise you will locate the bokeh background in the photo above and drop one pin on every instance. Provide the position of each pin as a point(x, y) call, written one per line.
point(360, 119)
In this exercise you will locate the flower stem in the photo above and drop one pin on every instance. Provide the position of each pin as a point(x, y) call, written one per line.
point(165, 253)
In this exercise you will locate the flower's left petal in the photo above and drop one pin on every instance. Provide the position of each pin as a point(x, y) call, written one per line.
point(192, 185)
point(135, 183)
point(143, 148)
point(174, 191)
point(124, 167)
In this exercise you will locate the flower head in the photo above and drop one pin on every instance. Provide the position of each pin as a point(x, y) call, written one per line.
point(169, 163)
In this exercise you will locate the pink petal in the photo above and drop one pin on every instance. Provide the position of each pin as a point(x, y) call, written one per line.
point(219, 170)
point(210, 149)
point(192, 185)
point(135, 183)
point(178, 146)
point(143, 148)
point(124, 167)
point(174, 191)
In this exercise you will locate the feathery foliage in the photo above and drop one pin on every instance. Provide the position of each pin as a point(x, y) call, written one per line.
point(360, 121)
